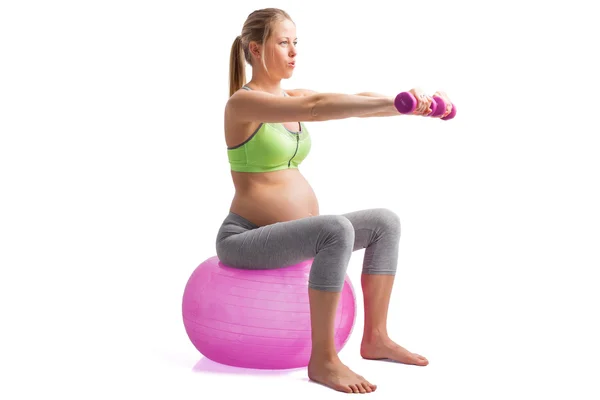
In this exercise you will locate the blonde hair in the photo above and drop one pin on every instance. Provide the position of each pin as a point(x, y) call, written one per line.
point(257, 28)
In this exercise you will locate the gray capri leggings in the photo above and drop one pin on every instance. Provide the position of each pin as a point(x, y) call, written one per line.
point(328, 239)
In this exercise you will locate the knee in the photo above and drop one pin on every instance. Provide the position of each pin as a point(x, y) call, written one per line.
point(387, 220)
point(337, 229)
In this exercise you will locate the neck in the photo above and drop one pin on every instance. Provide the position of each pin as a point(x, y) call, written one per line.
point(266, 85)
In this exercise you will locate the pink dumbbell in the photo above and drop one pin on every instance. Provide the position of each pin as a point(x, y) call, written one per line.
point(406, 103)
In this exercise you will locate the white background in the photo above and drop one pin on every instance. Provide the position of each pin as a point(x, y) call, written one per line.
point(114, 180)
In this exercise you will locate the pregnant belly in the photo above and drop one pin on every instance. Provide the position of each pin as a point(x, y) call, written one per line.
point(266, 201)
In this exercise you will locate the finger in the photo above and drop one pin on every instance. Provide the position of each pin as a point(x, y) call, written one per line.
point(427, 105)
point(419, 107)
point(424, 104)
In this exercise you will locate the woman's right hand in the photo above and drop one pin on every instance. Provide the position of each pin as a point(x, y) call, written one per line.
point(423, 102)
point(447, 101)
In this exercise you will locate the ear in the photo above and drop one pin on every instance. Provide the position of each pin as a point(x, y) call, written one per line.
point(255, 49)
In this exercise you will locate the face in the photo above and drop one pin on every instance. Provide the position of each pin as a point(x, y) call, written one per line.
point(280, 50)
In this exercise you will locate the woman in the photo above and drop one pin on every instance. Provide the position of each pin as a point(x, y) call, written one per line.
point(274, 217)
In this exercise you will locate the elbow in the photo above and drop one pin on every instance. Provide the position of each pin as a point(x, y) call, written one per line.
point(316, 104)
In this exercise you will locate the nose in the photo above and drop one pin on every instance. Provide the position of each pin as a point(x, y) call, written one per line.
point(293, 51)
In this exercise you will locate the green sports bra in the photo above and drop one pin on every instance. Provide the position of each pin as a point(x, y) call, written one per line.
point(271, 147)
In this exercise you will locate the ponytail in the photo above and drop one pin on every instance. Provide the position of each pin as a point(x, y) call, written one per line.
point(237, 67)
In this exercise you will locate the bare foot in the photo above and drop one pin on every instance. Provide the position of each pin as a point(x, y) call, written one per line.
point(387, 349)
point(334, 374)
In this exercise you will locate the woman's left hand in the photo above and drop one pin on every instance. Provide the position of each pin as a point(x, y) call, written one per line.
point(423, 102)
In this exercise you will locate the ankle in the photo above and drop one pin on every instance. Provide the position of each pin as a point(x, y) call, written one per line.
point(321, 356)
point(374, 334)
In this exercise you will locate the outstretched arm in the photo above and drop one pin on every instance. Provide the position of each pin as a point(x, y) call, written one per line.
point(388, 113)
point(254, 105)
point(392, 112)
point(423, 106)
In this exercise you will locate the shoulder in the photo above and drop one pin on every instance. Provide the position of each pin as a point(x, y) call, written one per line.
point(241, 97)
point(299, 92)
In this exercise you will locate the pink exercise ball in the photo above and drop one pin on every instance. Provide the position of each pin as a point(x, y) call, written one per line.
point(257, 318)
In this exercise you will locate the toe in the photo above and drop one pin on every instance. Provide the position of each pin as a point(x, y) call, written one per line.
point(345, 389)
point(422, 360)
point(369, 384)
point(365, 383)
point(354, 389)
point(366, 387)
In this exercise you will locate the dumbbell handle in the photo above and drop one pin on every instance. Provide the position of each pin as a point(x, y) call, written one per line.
point(406, 103)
